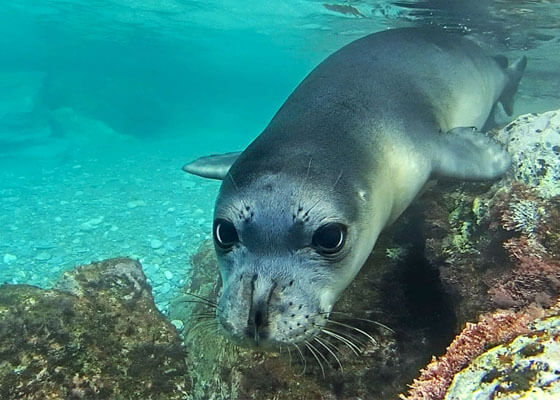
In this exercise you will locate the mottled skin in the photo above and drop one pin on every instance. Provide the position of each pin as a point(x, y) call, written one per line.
point(354, 144)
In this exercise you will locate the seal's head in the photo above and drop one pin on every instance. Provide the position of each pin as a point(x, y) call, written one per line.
point(285, 253)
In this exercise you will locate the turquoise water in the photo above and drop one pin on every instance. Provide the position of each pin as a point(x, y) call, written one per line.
point(102, 102)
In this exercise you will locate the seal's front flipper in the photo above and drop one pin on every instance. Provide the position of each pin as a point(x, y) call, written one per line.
point(469, 154)
point(214, 167)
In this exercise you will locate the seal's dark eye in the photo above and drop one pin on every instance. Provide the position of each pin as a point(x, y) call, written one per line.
point(329, 238)
point(225, 234)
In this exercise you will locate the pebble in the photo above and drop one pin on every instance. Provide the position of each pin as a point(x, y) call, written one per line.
point(168, 275)
point(156, 244)
point(178, 324)
point(96, 221)
point(43, 256)
point(42, 245)
point(135, 203)
point(166, 287)
point(9, 258)
point(91, 224)
point(172, 234)
point(150, 269)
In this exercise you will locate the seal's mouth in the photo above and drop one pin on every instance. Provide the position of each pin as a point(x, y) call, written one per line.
point(267, 340)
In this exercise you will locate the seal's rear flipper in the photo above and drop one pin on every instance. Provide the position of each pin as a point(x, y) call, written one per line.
point(214, 167)
point(469, 154)
point(514, 73)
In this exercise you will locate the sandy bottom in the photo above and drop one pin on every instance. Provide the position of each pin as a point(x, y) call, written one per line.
point(122, 199)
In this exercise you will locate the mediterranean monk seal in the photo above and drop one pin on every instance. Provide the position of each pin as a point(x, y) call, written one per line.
point(300, 210)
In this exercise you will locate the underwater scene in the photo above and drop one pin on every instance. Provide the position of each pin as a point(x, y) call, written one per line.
point(276, 200)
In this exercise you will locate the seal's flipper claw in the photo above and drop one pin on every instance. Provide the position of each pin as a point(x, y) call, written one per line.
point(469, 154)
point(215, 166)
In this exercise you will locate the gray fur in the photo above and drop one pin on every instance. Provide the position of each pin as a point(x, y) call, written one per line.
point(353, 144)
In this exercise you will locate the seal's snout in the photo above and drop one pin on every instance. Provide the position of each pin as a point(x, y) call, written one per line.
point(258, 320)
point(257, 324)
point(260, 310)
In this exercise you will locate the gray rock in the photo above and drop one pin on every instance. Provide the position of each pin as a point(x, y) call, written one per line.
point(533, 140)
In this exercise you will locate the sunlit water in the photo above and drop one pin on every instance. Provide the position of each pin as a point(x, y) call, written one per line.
point(102, 102)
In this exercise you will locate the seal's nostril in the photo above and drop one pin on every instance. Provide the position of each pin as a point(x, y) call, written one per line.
point(259, 320)
point(257, 323)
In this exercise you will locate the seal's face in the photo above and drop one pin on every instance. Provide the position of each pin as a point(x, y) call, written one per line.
point(284, 257)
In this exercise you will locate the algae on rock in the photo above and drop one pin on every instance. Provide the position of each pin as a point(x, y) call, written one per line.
point(533, 140)
point(514, 267)
point(98, 335)
point(498, 244)
point(526, 368)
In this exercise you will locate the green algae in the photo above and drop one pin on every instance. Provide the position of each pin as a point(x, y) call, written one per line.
point(105, 340)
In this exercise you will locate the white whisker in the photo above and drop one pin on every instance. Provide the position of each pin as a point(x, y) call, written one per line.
point(347, 342)
point(310, 348)
point(331, 353)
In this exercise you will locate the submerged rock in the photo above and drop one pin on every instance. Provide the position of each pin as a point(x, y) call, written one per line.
point(498, 245)
point(527, 367)
point(533, 140)
point(506, 355)
point(98, 335)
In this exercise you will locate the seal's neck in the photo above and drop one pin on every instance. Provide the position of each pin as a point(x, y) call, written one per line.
point(405, 171)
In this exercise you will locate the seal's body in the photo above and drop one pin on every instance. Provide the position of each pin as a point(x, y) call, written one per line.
point(300, 210)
